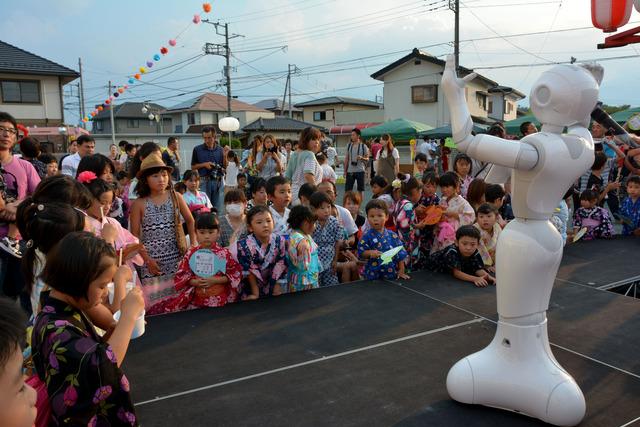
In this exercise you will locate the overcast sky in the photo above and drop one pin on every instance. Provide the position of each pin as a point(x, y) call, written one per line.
point(336, 44)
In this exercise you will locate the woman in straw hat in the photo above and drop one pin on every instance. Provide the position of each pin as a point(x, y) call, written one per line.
point(155, 220)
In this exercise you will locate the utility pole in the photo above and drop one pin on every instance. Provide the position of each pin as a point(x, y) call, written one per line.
point(81, 93)
point(113, 126)
point(292, 69)
point(222, 50)
point(454, 5)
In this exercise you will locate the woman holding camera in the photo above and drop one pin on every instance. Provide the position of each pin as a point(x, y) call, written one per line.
point(269, 162)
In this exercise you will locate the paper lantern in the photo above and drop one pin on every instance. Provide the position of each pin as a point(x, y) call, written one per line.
point(196, 19)
point(111, 98)
point(173, 42)
point(93, 113)
point(131, 81)
point(229, 124)
point(107, 101)
point(116, 94)
point(136, 76)
point(142, 70)
point(120, 90)
point(164, 50)
point(156, 57)
point(609, 15)
point(149, 64)
point(206, 7)
point(126, 87)
point(100, 108)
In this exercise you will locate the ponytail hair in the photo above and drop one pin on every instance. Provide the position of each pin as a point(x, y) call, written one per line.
point(44, 225)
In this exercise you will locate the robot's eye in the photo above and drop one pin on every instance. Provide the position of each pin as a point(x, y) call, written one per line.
point(543, 95)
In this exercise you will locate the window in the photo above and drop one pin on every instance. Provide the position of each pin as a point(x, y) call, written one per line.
point(482, 100)
point(422, 94)
point(490, 107)
point(319, 116)
point(21, 91)
point(133, 123)
point(508, 107)
point(191, 118)
point(99, 125)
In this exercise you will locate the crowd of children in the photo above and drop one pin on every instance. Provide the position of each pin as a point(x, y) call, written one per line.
point(143, 242)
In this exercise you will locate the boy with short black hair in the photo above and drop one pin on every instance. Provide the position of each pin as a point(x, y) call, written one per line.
point(17, 399)
point(305, 192)
point(242, 184)
point(596, 179)
point(50, 164)
point(279, 193)
point(378, 240)
point(462, 258)
point(494, 195)
point(422, 166)
point(630, 208)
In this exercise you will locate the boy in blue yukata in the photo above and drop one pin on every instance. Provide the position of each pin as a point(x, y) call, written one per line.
point(378, 240)
point(630, 209)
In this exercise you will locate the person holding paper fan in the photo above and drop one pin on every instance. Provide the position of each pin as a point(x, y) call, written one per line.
point(208, 275)
point(382, 248)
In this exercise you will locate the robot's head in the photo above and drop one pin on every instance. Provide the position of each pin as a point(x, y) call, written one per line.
point(564, 95)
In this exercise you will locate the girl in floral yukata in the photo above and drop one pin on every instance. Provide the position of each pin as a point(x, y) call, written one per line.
point(304, 263)
point(424, 232)
point(462, 166)
point(215, 291)
point(376, 241)
point(457, 212)
point(406, 194)
point(81, 371)
point(262, 256)
point(591, 216)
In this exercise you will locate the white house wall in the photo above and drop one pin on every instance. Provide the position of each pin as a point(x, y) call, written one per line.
point(49, 106)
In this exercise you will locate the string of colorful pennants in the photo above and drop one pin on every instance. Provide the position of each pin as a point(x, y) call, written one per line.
point(206, 7)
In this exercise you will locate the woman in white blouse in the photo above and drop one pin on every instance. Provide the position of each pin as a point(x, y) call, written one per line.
point(388, 159)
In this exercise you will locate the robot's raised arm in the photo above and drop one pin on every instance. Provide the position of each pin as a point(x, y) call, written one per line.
point(486, 148)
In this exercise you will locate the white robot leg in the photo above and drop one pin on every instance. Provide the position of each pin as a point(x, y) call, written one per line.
point(517, 371)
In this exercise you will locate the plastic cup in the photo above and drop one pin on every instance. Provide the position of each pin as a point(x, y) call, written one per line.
point(138, 328)
point(111, 288)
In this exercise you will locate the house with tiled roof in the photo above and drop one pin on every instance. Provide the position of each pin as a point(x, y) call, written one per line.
point(324, 111)
point(281, 128)
point(31, 87)
point(207, 109)
point(276, 106)
point(132, 118)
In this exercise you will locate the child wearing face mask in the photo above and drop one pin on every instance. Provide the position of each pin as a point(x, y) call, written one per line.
point(233, 223)
point(213, 291)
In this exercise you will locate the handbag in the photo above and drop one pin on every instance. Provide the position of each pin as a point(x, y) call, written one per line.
point(181, 239)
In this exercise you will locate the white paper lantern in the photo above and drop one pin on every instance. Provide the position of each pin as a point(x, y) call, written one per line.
point(151, 116)
point(229, 124)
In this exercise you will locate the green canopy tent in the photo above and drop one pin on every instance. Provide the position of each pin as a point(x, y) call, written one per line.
point(445, 131)
point(623, 116)
point(513, 126)
point(399, 129)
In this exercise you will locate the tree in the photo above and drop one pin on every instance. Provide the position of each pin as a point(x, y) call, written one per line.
point(610, 109)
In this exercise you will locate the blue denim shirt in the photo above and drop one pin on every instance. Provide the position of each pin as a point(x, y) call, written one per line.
point(202, 153)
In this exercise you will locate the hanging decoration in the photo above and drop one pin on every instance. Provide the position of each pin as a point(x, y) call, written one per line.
point(142, 70)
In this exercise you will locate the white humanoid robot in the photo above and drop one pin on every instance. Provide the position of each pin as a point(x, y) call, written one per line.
point(517, 371)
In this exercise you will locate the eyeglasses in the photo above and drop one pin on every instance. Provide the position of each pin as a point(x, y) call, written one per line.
point(10, 131)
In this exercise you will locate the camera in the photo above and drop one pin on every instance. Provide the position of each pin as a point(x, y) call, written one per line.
point(273, 149)
point(354, 163)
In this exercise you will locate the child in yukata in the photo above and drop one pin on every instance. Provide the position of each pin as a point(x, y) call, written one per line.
point(404, 215)
point(279, 192)
point(489, 232)
point(595, 218)
point(458, 211)
point(194, 291)
point(423, 231)
point(262, 256)
point(376, 241)
point(494, 194)
point(630, 208)
point(328, 235)
point(304, 263)
point(462, 258)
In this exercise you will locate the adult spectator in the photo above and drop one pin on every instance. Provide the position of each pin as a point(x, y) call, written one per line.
point(388, 159)
point(209, 159)
point(256, 147)
point(20, 180)
point(270, 162)
point(427, 147)
point(114, 153)
point(171, 157)
point(130, 151)
point(355, 162)
point(30, 149)
point(376, 146)
point(303, 166)
point(527, 128)
point(86, 147)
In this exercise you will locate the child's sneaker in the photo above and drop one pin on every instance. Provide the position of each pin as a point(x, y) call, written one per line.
point(11, 246)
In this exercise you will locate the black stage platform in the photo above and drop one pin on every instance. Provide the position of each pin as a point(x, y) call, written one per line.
point(377, 353)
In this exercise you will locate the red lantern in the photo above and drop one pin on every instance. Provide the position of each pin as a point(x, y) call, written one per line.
point(164, 50)
point(609, 15)
point(100, 108)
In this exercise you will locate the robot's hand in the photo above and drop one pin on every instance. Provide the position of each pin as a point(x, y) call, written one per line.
point(453, 86)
